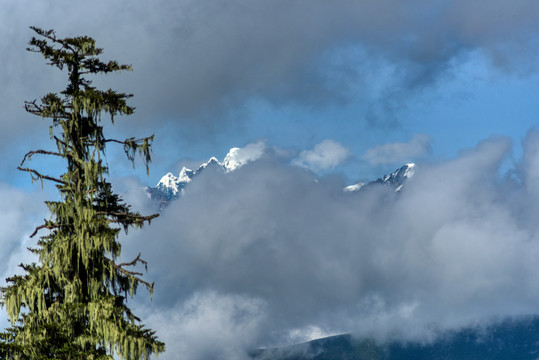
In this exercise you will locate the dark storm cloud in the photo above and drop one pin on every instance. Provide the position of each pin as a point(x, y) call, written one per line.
point(268, 254)
point(199, 59)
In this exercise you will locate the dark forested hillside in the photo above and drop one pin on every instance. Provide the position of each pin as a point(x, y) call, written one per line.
point(506, 340)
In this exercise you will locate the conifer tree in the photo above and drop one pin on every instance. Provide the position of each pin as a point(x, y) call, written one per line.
point(71, 304)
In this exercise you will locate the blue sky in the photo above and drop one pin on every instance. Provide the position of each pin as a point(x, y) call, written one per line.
point(347, 90)
point(295, 74)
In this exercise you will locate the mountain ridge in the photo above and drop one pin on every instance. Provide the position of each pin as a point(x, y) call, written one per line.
point(171, 187)
point(508, 339)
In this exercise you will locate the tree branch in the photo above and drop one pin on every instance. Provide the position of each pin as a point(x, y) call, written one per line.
point(32, 107)
point(131, 216)
point(116, 141)
point(134, 262)
point(60, 141)
point(44, 152)
point(44, 226)
point(40, 176)
point(120, 268)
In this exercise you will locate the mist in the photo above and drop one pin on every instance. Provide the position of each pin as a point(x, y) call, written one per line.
point(271, 255)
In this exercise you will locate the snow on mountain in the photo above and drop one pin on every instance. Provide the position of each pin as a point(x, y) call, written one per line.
point(169, 181)
point(410, 170)
point(396, 180)
point(356, 187)
point(171, 187)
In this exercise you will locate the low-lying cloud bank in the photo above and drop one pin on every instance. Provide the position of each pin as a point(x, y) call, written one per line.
point(269, 255)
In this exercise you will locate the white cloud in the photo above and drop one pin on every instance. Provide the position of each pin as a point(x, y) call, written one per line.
point(237, 157)
point(208, 326)
point(399, 152)
point(326, 155)
point(265, 255)
point(456, 247)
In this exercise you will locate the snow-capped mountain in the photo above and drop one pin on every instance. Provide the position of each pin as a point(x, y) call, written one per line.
point(396, 180)
point(399, 177)
point(171, 187)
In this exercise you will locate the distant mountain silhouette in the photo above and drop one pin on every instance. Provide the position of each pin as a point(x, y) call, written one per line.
point(512, 339)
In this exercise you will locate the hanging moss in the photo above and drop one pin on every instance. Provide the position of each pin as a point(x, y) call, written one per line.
point(72, 303)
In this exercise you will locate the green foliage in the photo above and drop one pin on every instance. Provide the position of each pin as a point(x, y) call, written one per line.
point(72, 303)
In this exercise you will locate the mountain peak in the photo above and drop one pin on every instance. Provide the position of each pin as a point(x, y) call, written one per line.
point(410, 170)
point(167, 181)
point(212, 161)
point(185, 175)
point(397, 179)
point(171, 186)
